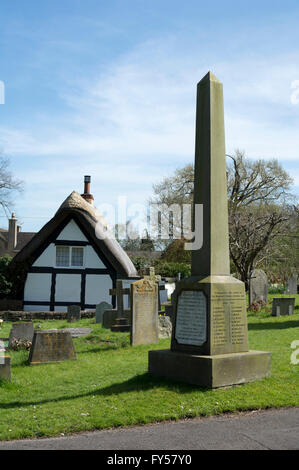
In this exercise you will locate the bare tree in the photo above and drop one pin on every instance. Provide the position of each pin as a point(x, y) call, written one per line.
point(9, 185)
point(259, 201)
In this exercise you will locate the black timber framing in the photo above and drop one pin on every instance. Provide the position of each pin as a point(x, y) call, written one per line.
point(54, 271)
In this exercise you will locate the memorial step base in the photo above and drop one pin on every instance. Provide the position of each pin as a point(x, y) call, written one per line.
point(210, 371)
point(121, 325)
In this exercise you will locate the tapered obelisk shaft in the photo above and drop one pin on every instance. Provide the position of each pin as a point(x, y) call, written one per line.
point(210, 186)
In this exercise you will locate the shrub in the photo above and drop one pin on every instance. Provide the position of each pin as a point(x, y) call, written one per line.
point(171, 269)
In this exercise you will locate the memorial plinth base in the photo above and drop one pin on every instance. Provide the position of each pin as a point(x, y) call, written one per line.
point(5, 368)
point(210, 371)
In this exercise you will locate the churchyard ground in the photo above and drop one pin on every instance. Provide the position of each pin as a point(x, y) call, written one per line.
point(108, 385)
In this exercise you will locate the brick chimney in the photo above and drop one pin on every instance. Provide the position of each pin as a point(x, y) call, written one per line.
point(12, 233)
point(86, 195)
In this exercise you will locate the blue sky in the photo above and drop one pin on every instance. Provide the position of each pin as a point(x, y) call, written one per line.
point(108, 88)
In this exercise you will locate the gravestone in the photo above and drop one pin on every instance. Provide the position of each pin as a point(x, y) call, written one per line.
point(209, 344)
point(258, 286)
point(21, 332)
point(292, 284)
point(144, 312)
point(149, 273)
point(283, 306)
point(165, 326)
point(73, 313)
point(169, 310)
point(100, 309)
point(110, 316)
point(5, 373)
point(75, 332)
point(51, 346)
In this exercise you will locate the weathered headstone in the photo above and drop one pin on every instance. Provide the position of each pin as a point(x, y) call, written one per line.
point(165, 326)
point(73, 313)
point(292, 285)
point(144, 312)
point(283, 306)
point(51, 346)
point(21, 332)
point(5, 373)
point(258, 286)
point(209, 345)
point(149, 273)
point(75, 332)
point(100, 309)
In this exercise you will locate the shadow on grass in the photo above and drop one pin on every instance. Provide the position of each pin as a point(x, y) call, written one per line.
point(140, 383)
point(273, 326)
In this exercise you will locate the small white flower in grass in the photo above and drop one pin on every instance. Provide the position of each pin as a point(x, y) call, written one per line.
point(84, 414)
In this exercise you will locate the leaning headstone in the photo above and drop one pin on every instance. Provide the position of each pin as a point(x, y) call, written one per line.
point(51, 346)
point(283, 306)
point(73, 313)
point(258, 286)
point(100, 309)
point(209, 344)
point(21, 332)
point(292, 284)
point(144, 312)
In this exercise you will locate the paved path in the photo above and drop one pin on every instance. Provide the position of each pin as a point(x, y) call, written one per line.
point(256, 430)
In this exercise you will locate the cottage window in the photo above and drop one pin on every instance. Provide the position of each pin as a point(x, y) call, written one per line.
point(77, 256)
point(62, 255)
point(69, 256)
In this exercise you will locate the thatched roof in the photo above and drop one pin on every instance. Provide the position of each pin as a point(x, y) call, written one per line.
point(92, 223)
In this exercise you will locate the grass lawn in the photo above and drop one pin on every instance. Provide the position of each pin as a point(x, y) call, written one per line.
point(109, 386)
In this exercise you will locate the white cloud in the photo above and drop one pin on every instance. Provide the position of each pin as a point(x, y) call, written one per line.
point(136, 121)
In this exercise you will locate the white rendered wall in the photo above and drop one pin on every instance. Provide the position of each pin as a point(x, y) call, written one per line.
point(68, 288)
point(36, 308)
point(97, 288)
point(91, 258)
point(38, 287)
point(72, 232)
point(47, 258)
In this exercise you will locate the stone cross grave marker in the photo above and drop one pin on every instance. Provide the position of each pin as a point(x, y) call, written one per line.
point(51, 346)
point(119, 292)
point(110, 316)
point(209, 344)
point(144, 316)
point(258, 286)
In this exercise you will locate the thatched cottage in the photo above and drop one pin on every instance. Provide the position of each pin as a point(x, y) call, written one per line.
point(68, 262)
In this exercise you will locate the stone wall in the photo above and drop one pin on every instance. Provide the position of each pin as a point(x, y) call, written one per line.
point(31, 316)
